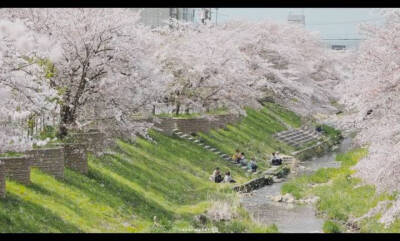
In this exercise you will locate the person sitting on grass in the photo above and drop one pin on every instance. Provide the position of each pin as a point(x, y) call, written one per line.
point(243, 160)
point(236, 156)
point(216, 176)
point(228, 177)
point(253, 165)
point(276, 160)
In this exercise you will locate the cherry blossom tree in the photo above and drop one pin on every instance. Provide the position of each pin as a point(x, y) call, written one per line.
point(24, 89)
point(235, 62)
point(204, 71)
point(106, 61)
point(373, 95)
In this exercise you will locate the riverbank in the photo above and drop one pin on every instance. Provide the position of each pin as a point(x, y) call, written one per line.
point(343, 200)
point(290, 217)
point(146, 186)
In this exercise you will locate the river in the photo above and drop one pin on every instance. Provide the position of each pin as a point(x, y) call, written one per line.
point(290, 217)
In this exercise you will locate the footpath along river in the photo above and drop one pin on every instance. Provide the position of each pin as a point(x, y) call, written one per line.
point(291, 217)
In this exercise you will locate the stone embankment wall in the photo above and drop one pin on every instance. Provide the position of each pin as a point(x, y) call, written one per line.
point(204, 124)
point(254, 184)
point(2, 180)
point(268, 178)
point(50, 161)
point(17, 168)
point(95, 141)
point(75, 157)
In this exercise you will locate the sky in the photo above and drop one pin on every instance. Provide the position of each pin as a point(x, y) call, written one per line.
point(330, 22)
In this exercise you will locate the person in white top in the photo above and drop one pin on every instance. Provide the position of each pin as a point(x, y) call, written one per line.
point(228, 178)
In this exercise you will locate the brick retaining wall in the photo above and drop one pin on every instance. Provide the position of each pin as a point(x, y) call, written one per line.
point(75, 157)
point(18, 168)
point(95, 141)
point(2, 181)
point(196, 124)
point(50, 161)
point(254, 184)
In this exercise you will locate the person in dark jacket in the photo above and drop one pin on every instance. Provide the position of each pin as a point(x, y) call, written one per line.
point(276, 160)
point(253, 165)
point(216, 176)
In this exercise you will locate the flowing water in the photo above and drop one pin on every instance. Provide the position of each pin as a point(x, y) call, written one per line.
point(290, 217)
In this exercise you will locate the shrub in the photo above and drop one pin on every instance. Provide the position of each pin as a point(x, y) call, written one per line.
point(331, 227)
point(231, 227)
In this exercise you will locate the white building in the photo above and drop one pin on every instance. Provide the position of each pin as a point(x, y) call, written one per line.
point(155, 17)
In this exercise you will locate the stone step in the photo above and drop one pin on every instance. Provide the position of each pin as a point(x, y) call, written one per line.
point(244, 167)
point(286, 158)
point(190, 138)
point(179, 133)
point(285, 133)
point(213, 149)
point(277, 180)
point(207, 147)
point(291, 143)
point(184, 135)
point(272, 170)
point(299, 138)
point(314, 134)
point(293, 139)
point(306, 140)
point(227, 159)
point(295, 135)
point(175, 130)
point(308, 130)
point(217, 152)
point(196, 141)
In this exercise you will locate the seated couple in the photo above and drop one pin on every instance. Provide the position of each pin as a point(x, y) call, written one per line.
point(217, 178)
point(240, 158)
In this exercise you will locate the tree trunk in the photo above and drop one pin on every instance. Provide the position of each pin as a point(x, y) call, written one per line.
point(154, 109)
point(187, 110)
point(67, 118)
point(178, 107)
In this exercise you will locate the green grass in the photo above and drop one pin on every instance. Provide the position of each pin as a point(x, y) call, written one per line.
point(332, 227)
point(123, 192)
point(343, 196)
point(331, 132)
point(11, 154)
point(288, 116)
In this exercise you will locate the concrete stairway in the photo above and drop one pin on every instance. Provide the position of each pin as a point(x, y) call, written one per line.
point(199, 142)
point(298, 137)
point(202, 144)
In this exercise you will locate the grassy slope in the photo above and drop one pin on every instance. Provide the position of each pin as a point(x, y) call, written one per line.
point(253, 136)
point(123, 192)
point(343, 197)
